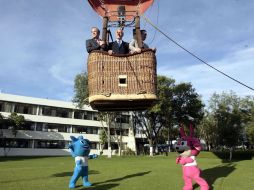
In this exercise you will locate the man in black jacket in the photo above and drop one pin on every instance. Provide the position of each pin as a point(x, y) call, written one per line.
point(119, 46)
point(95, 43)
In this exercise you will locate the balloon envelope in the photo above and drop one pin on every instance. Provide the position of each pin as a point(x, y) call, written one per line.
point(109, 8)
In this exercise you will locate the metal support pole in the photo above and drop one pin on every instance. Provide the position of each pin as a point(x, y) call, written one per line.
point(138, 33)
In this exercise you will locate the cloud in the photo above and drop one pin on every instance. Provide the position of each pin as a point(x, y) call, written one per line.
point(59, 72)
point(238, 65)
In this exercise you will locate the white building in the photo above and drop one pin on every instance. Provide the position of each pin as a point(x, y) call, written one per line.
point(49, 125)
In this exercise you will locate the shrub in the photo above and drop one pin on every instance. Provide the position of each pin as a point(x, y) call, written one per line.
point(128, 152)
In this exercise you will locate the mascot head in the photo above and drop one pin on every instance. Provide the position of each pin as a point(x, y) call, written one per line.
point(79, 146)
point(188, 142)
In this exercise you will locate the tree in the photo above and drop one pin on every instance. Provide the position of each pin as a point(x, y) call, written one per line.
point(249, 119)
point(113, 119)
point(108, 118)
point(146, 120)
point(118, 131)
point(16, 122)
point(1, 132)
point(164, 107)
point(152, 120)
point(229, 126)
point(231, 114)
point(81, 92)
point(174, 101)
point(2, 137)
point(103, 139)
point(250, 132)
point(208, 130)
point(186, 102)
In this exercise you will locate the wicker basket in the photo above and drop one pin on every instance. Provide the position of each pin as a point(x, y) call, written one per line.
point(122, 82)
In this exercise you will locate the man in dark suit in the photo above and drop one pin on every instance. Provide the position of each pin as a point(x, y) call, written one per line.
point(95, 43)
point(119, 46)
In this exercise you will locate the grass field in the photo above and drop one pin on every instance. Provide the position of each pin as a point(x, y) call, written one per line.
point(123, 173)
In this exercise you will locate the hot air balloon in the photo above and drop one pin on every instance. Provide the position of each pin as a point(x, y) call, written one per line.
point(121, 82)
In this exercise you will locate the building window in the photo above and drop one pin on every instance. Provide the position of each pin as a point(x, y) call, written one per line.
point(125, 132)
point(7, 107)
point(52, 127)
point(92, 130)
point(1, 106)
point(45, 127)
point(25, 109)
point(63, 128)
point(95, 130)
point(95, 116)
point(122, 119)
point(65, 113)
point(85, 129)
point(56, 112)
point(114, 146)
point(69, 129)
point(88, 115)
point(78, 115)
point(79, 129)
point(93, 145)
point(28, 126)
point(39, 127)
point(4, 124)
point(54, 144)
point(15, 143)
point(119, 131)
point(46, 111)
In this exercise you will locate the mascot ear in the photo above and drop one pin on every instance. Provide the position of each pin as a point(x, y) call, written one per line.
point(73, 138)
point(191, 131)
point(80, 138)
point(182, 132)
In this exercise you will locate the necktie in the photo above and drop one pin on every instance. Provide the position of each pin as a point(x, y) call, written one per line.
point(119, 43)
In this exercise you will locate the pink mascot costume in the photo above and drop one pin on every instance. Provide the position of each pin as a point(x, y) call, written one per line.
point(189, 147)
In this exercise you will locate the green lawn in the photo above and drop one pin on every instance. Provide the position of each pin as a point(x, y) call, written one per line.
point(124, 173)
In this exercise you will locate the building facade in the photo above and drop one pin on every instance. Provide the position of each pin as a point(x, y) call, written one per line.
point(50, 123)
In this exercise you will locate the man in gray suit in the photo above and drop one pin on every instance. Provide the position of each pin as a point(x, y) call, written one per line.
point(133, 46)
point(95, 43)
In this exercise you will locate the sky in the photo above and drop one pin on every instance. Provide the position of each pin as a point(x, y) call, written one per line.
point(42, 44)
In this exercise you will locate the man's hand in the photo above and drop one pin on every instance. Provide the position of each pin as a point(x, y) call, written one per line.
point(138, 50)
point(101, 42)
point(110, 52)
point(178, 159)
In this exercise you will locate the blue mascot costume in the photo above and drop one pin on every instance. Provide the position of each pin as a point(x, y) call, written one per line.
point(80, 150)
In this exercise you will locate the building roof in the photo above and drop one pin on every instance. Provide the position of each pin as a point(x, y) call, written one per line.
point(41, 101)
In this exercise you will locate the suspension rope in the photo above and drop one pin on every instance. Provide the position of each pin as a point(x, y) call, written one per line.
point(102, 5)
point(201, 60)
point(157, 21)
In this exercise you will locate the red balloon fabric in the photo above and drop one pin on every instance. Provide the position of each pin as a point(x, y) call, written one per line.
point(109, 8)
